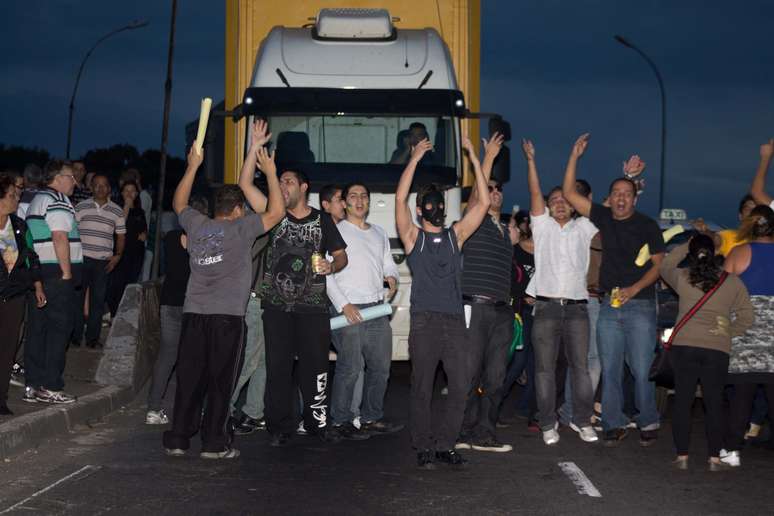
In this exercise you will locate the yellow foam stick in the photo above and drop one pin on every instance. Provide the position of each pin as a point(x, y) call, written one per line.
point(204, 116)
point(644, 254)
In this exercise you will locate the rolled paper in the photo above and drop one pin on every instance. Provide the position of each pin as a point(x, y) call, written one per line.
point(372, 312)
point(204, 116)
point(644, 254)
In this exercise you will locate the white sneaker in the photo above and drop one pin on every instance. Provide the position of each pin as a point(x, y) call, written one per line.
point(175, 452)
point(301, 430)
point(551, 436)
point(229, 453)
point(586, 433)
point(156, 417)
point(731, 458)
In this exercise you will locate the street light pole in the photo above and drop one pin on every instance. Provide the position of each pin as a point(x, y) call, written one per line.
point(136, 24)
point(623, 41)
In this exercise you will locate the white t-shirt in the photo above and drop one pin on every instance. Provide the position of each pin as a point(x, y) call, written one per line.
point(369, 261)
point(561, 257)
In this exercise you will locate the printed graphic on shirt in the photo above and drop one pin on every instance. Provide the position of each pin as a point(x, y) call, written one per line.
point(207, 248)
point(289, 280)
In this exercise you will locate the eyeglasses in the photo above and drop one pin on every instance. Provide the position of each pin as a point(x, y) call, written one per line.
point(492, 188)
point(70, 176)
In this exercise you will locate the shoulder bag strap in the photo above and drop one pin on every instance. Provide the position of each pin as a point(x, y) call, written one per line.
point(695, 308)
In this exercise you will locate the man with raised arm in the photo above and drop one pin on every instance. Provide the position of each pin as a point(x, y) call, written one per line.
point(486, 294)
point(626, 329)
point(758, 187)
point(213, 326)
point(437, 332)
point(562, 246)
point(296, 318)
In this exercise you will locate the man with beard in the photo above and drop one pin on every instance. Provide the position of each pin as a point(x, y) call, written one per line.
point(295, 311)
point(626, 329)
point(437, 332)
point(363, 343)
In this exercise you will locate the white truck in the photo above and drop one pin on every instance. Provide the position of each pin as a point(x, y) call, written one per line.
point(340, 96)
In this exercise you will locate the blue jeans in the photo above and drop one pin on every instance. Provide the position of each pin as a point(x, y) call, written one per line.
point(595, 367)
point(171, 326)
point(357, 393)
point(627, 334)
point(254, 365)
point(368, 343)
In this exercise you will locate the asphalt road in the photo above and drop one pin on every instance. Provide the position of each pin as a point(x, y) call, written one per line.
point(118, 466)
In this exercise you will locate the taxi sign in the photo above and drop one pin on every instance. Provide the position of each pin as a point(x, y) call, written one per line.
point(673, 214)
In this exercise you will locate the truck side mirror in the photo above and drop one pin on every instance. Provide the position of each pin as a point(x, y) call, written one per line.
point(501, 169)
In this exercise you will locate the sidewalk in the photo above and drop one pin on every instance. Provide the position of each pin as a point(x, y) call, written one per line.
point(34, 423)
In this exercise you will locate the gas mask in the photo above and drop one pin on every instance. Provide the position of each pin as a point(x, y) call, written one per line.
point(435, 215)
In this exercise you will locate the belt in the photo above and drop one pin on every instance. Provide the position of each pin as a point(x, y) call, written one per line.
point(483, 300)
point(562, 301)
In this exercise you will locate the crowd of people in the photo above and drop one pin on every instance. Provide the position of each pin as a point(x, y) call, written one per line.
point(69, 251)
point(561, 299)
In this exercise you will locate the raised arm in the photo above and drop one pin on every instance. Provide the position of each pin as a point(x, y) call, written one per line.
point(254, 196)
point(581, 204)
point(491, 150)
point(276, 207)
point(475, 213)
point(668, 269)
point(407, 230)
point(758, 187)
point(537, 204)
point(183, 190)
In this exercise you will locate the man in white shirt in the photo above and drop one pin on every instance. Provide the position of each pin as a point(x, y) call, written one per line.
point(561, 311)
point(758, 187)
point(369, 343)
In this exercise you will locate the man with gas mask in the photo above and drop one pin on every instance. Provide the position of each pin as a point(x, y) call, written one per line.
point(437, 332)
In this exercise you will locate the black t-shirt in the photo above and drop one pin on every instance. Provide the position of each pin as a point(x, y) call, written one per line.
point(623, 240)
point(522, 271)
point(176, 270)
point(289, 283)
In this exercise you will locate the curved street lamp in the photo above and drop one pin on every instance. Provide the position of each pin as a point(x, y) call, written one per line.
point(623, 41)
point(136, 24)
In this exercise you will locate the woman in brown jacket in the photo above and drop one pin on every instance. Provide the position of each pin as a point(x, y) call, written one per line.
point(701, 349)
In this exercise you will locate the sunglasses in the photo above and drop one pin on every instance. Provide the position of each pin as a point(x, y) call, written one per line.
point(499, 188)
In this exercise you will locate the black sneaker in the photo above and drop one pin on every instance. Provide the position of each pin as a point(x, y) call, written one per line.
point(94, 344)
point(491, 445)
point(648, 437)
point(425, 459)
point(350, 432)
point(17, 375)
point(330, 435)
point(451, 458)
point(615, 436)
point(4, 410)
point(381, 427)
point(246, 425)
point(279, 440)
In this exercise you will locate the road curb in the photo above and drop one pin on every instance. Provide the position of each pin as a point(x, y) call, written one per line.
point(30, 430)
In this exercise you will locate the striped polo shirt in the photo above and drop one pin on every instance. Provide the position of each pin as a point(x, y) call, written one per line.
point(52, 211)
point(97, 225)
point(486, 262)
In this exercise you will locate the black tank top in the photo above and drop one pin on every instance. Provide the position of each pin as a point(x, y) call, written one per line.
point(436, 273)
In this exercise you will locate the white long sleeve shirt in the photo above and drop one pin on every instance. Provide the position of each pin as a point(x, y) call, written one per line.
point(369, 261)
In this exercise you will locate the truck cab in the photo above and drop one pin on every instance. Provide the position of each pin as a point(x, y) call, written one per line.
point(345, 98)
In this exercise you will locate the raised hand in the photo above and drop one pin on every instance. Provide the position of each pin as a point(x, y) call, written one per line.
point(493, 145)
point(767, 149)
point(266, 161)
point(419, 150)
point(580, 145)
point(633, 167)
point(468, 146)
point(529, 149)
point(259, 136)
point(195, 157)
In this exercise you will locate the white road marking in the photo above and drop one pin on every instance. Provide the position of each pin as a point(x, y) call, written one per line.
point(86, 468)
point(579, 478)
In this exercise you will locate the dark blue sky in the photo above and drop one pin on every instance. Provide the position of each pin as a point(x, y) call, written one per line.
point(552, 68)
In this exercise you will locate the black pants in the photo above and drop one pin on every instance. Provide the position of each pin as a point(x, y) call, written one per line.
point(487, 341)
point(208, 362)
point(48, 331)
point(433, 338)
point(692, 365)
point(306, 336)
point(741, 409)
point(95, 281)
point(11, 316)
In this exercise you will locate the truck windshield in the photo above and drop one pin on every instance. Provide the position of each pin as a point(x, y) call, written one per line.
point(374, 149)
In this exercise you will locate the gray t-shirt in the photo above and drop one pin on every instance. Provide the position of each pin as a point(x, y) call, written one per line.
point(221, 262)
